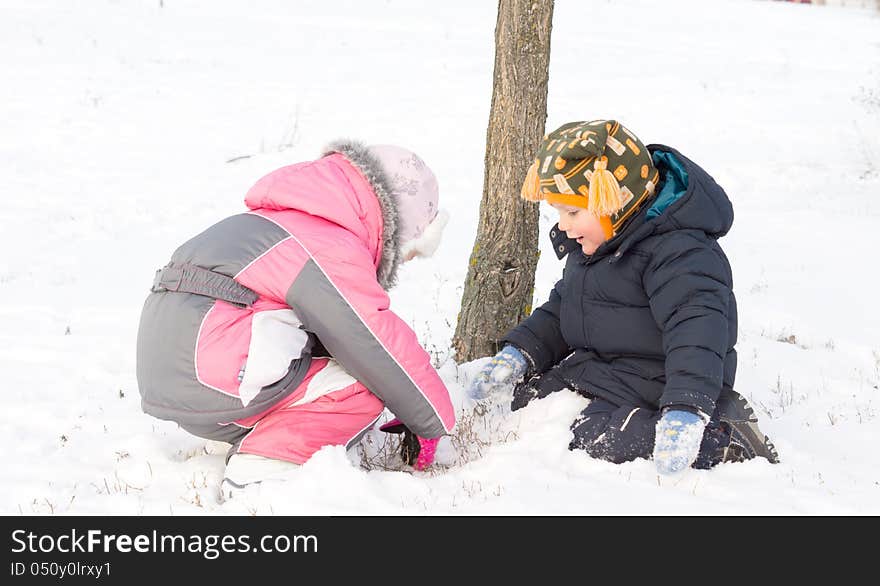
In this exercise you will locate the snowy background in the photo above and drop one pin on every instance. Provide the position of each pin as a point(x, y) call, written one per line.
point(129, 126)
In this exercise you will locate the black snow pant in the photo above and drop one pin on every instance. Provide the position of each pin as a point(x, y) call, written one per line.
point(621, 433)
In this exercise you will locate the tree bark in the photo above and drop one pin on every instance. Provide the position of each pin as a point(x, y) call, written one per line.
point(500, 282)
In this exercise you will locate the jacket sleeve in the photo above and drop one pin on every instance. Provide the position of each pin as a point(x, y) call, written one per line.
point(340, 300)
point(689, 288)
point(539, 335)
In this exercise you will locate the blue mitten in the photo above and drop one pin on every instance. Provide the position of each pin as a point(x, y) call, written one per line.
point(506, 367)
point(677, 442)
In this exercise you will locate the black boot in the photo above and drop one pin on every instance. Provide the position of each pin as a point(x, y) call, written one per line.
point(733, 434)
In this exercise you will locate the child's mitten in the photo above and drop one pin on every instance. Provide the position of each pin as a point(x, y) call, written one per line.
point(506, 367)
point(416, 451)
point(678, 437)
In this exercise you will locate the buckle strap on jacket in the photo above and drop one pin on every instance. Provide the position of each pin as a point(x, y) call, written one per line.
point(189, 278)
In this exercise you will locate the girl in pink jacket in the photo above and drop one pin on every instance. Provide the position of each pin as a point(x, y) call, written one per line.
point(271, 330)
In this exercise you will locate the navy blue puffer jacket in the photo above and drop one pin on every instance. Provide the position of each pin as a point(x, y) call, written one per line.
point(649, 319)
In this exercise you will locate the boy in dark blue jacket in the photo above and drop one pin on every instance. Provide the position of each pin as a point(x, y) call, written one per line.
point(643, 321)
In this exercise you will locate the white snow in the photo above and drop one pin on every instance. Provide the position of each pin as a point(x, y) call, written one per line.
point(121, 120)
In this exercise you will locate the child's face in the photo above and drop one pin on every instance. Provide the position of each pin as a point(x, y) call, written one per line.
point(581, 225)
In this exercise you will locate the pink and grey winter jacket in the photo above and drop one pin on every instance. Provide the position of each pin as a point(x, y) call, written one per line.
point(319, 247)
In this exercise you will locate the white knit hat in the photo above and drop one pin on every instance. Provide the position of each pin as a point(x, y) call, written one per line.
point(415, 189)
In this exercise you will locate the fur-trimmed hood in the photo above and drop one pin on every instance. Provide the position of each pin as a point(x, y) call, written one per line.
point(345, 186)
point(357, 154)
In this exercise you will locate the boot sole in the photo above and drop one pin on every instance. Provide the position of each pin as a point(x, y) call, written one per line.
point(756, 442)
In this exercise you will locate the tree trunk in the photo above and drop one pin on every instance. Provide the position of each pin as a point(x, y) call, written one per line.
point(501, 275)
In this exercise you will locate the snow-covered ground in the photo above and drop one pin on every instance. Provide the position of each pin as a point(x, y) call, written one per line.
point(128, 126)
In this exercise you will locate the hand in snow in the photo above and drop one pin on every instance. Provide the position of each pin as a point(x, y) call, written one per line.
point(416, 451)
point(538, 388)
point(678, 439)
point(506, 367)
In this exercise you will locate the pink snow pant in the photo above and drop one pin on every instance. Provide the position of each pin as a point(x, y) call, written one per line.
point(329, 408)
